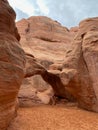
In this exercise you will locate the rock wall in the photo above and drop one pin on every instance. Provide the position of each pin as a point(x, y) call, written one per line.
point(65, 59)
point(80, 65)
point(71, 56)
point(48, 41)
point(12, 62)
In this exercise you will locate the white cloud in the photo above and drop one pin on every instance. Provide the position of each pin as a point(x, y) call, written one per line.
point(68, 12)
point(43, 7)
point(23, 5)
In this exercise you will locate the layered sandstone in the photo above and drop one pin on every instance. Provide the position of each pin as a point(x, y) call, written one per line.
point(80, 66)
point(71, 57)
point(66, 60)
point(40, 33)
point(48, 41)
point(12, 61)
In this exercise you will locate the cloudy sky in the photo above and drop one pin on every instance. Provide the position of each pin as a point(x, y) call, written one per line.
point(68, 12)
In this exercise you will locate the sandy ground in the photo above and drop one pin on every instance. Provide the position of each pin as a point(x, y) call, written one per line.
point(54, 118)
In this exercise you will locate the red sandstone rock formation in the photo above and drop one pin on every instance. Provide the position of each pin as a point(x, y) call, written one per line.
point(69, 65)
point(12, 61)
point(48, 41)
point(47, 38)
point(80, 65)
point(73, 62)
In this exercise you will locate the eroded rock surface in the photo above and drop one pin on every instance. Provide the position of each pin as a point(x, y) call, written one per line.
point(29, 94)
point(48, 41)
point(12, 61)
point(47, 38)
point(80, 65)
point(71, 54)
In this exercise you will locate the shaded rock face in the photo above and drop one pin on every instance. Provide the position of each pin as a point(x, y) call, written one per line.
point(81, 61)
point(90, 53)
point(12, 61)
point(30, 88)
point(7, 19)
point(33, 89)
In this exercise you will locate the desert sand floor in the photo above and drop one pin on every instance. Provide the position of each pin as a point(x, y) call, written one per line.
point(54, 118)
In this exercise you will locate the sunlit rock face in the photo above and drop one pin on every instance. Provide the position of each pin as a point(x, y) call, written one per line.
point(47, 38)
point(12, 61)
point(47, 41)
point(69, 56)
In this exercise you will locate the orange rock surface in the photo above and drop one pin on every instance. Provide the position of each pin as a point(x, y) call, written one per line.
point(12, 61)
point(44, 38)
point(47, 41)
point(72, 55)
point(81, 65)
point(66, 60)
